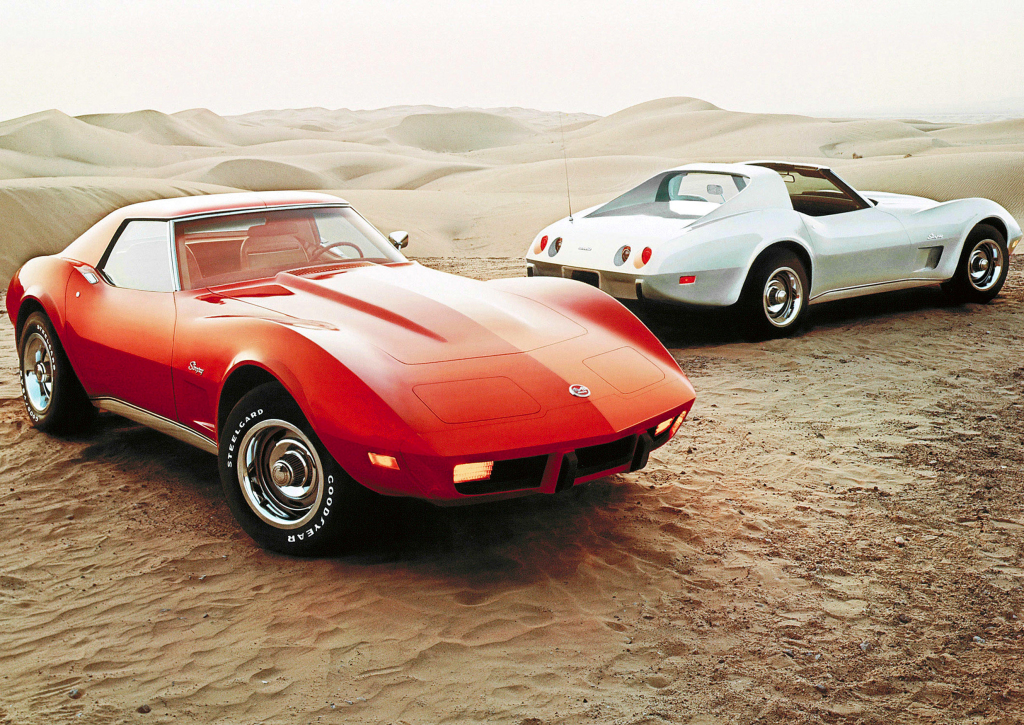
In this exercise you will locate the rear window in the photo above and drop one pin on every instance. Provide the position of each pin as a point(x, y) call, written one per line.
point(676, 195)
point(241, 247)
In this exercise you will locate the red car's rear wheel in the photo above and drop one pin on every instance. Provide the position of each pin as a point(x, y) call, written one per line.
point(54, 399)
point(281, 484)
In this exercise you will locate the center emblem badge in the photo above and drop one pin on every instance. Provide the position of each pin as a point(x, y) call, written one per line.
point(580, 391)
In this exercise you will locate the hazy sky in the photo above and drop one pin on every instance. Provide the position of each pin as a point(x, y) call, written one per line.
point(821, 57)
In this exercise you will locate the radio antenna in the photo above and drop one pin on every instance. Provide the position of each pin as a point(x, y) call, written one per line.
point(565, 160)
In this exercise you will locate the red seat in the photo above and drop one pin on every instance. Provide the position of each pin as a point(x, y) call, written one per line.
point(275, 244)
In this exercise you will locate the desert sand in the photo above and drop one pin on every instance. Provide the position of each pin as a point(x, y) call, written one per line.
point(834, 536)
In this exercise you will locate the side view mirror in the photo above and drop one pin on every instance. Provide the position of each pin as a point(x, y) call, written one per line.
point(399, 239)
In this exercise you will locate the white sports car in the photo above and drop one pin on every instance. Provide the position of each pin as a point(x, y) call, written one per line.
point(773, 238)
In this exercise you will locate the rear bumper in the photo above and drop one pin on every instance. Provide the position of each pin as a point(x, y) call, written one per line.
point(712, 288)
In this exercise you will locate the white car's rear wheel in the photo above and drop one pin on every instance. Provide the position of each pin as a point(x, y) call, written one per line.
point(783, 297)
point(774, 297)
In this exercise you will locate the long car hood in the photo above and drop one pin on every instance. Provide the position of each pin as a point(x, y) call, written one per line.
point(415, 314)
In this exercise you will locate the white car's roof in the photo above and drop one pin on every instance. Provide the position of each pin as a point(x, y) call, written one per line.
point(795, 164)
point(765, 188)
point(745, 168)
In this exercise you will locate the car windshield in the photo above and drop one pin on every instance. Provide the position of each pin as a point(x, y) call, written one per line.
point(232, 248)
point(816, 191)
point(676, 194)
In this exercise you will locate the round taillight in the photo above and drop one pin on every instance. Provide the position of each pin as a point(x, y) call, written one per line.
point(625, 254)
point(543, 242)
point(556, 246)
point(645, 256)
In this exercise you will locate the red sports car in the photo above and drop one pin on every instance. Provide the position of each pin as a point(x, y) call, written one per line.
point(285, 334)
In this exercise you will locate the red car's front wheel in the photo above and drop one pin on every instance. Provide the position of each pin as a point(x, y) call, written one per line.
point(281, 484)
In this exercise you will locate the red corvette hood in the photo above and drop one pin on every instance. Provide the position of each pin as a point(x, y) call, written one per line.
point(415, 314)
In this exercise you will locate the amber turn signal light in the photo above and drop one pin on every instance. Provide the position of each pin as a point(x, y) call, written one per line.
point(679, 422)
point(383, 461)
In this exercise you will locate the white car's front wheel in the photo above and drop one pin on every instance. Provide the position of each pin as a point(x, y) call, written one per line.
point(774, 297)
point(983, 265)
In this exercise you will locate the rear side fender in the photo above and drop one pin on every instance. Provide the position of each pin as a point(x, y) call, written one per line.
point(40, 284)
point(733, 244)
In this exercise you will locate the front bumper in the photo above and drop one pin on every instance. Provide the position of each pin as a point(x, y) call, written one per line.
point(545, 469)
point(545, 453)
point(712, 288)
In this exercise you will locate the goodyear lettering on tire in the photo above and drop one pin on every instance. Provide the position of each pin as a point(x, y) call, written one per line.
point(292, 538)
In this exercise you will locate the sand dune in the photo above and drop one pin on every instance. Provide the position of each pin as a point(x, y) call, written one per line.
point(952, 174)
point(52, 134)
point(153, 127)
point(40, 215)
point(483, 161)
point(459, 131)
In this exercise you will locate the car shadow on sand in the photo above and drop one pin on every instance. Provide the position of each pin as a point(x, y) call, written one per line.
point(525, 538)
point(681, 328)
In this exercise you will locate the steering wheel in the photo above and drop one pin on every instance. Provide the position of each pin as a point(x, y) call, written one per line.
point(320, 250)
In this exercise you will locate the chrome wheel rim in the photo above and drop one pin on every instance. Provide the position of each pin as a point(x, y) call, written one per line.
point(37, 372)
point(280, 474)
point(985, 265)
point(783, 297)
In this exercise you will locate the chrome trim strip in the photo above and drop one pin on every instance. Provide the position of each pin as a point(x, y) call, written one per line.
point(857, 289)
point(173, 252)
point(156, 422)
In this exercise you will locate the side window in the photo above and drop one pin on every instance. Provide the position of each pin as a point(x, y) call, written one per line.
point(141, 258)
